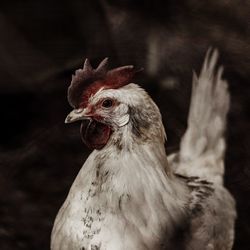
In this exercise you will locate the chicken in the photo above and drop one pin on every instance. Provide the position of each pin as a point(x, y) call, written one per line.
point(129, 195)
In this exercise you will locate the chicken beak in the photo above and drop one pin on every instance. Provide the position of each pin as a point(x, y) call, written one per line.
point(76, 115)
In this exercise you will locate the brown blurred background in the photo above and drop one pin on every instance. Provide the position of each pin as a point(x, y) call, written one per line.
point(43, 42)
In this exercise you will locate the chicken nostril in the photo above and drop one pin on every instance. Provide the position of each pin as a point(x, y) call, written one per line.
point(78, 111)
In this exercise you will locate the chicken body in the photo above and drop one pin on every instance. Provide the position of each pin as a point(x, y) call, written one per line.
point(130, 196)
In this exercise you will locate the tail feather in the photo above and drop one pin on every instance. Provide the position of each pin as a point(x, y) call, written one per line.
point(203, 144)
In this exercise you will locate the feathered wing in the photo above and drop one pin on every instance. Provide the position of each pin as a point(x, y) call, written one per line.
point(203, 144)
point(201, 161)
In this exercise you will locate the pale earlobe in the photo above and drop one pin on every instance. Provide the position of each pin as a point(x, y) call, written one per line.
point(123, 120)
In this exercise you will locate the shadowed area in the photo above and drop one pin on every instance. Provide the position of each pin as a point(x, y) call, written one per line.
point(43, 42)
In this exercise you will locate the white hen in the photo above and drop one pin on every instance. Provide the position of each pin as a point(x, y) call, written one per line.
point(128, 194)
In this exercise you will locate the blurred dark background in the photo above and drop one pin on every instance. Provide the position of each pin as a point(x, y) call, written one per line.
point(43, 42)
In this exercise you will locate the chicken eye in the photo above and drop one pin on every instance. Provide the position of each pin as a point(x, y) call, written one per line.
point(107, 103)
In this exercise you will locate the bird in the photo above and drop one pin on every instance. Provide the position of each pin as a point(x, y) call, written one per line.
point(131, 195)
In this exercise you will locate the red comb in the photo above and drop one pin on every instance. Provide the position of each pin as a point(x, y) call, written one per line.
point(87, 81)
